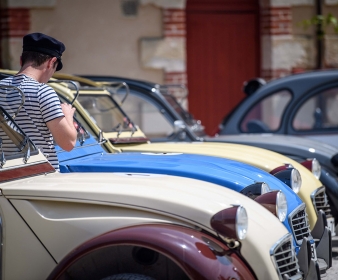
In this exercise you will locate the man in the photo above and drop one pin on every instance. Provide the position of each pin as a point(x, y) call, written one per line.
point(42, 117)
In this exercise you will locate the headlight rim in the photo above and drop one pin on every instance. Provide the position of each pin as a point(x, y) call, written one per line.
point(238, 214)
point(314, 166)
point(295, 173)
point(279, 195)
point(269, 201)
point(225, 222)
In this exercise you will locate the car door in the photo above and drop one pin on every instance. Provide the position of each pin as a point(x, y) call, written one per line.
point(315, 115)
point(22, 255)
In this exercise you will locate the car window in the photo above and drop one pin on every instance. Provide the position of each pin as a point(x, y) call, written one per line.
point(266, 115)
point(105, 112)
point(147, 116)
point(318, 112)
point(78, 118)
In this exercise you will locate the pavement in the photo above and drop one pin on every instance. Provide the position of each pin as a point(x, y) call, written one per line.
point(332, 273)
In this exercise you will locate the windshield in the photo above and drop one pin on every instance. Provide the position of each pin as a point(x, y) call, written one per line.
point(195, 125)
point(85, 135)
point(106, 113)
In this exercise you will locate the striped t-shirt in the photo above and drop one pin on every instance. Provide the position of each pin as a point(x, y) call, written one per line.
point(41, 106)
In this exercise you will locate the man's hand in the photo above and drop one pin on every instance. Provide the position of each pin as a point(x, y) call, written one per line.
point(68, 111)
point(63, 130)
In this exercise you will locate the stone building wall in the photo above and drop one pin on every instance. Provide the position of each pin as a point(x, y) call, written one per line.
point(100, 37)
point(290, 48)
point(151, 45)
point(168, 52)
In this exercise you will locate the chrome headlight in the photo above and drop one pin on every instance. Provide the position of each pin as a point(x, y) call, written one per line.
point(231, 222)
point(256, 189)
point(296, 180)
point(289, 176)
point(241, 223)
point(265, 188)
point(314, 166)
point(275, 202)
point(281, 206)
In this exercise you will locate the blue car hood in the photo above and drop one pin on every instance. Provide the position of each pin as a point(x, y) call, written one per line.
point(228, 173)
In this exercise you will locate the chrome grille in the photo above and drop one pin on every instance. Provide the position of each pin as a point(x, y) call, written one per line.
point(320, 201)
point(299, 223)
point(284, 258)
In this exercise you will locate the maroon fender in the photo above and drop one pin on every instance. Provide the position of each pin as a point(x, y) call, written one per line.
point(199, 255)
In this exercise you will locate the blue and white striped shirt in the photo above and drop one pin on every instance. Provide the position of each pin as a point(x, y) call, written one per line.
point(41, 106)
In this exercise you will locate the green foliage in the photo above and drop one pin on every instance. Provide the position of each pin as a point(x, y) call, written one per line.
point(322, 22)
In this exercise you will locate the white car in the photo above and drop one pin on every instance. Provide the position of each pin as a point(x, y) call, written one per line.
point(119, 225)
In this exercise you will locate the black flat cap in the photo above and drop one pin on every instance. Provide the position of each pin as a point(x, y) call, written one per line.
point(38, 42)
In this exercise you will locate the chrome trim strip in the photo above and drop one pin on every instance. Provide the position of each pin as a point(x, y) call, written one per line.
point(26, 165)
point(313, 196)
point(297, 210)
point(282, 240)
point(285, 239)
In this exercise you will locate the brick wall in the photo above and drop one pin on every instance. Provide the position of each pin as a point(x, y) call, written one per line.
point(176, 78)
point(276, 29)
point(269, 74)
point(174, 26)
point(174, 23)
point(15, 23)
point(276, 20)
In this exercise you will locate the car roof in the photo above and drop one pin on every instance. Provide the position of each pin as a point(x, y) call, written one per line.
point(306, 81)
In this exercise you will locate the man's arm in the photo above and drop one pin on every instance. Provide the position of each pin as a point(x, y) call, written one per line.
point(62, 128)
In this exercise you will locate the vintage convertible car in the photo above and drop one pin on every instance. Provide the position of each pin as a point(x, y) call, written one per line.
point(324, 265)
point(152, 104)
point(89, 164)
point(125, 136)
point(302, 104)
point(118, 225)
point(89, 156)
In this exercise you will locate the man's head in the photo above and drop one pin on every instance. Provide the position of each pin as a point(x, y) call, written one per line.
point(38, 48)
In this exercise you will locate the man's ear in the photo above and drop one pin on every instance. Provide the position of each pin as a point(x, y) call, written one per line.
point(51, 62)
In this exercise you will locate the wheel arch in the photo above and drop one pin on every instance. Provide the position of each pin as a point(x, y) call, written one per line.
point(194, 252)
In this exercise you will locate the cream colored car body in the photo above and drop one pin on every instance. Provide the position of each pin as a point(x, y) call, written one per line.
point(261, 158)
point(65, 210)
point(46, 215)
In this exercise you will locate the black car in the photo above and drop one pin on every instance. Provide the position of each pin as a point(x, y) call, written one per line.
point(304, 104)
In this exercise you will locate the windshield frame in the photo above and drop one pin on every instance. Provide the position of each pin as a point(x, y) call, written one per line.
point(25, 142)
point(116, 107)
